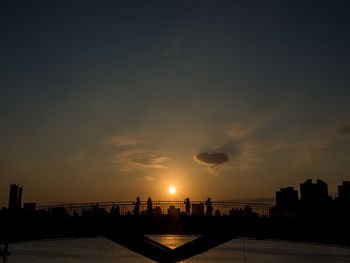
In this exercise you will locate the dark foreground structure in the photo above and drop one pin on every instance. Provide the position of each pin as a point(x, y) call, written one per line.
point(131, 231)
point(316, 218)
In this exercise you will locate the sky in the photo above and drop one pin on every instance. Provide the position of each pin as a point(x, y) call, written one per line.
point(109, 100)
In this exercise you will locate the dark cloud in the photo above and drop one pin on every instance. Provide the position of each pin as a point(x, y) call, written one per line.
point(211, 159)
point(344, 130)
point(219, 155)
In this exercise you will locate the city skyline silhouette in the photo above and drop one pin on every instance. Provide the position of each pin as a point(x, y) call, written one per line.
point(315, 217)
point(312, 196)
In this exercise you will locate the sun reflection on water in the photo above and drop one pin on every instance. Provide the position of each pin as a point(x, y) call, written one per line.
point(172, 241)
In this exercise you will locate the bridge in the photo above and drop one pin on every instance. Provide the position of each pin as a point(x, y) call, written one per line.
point(223, 208)
point(116, 222)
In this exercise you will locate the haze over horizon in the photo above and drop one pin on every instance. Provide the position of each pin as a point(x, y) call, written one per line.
point(107, 100)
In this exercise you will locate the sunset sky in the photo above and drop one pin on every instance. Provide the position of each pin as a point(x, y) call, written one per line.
point(109, 100)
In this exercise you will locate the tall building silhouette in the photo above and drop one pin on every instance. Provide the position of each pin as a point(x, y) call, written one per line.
point(314, 195)
point(344, 192)
point(287, 197)
point(15, 197)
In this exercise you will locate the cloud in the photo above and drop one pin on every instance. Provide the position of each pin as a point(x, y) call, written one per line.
point(130, 160)
point(118, 140)
point(238, 151)
point(211, 159)
point(232, 148)
point(219, 155)
point(240, 129)
point(344, 130)
point(250, 156)
point(149, 160)
point(148, 178)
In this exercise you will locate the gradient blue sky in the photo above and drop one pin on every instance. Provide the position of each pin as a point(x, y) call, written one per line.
point(107, 100)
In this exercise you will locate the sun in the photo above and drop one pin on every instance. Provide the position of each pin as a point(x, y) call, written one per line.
point(172, 190)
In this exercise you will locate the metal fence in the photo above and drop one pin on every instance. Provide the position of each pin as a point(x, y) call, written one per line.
point(160, 207)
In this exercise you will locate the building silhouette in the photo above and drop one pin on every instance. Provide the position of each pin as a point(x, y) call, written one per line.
point(198, 209)
point(243, 211)
point(30, 207)
point(15, 197)
point(314, 194)
point(287, 203)
point(287, 197)
point(173, 211)
point(344, 192)
point(314, 203)
point(157, 211)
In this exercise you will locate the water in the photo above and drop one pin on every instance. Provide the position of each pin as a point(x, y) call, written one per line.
point(100, 250)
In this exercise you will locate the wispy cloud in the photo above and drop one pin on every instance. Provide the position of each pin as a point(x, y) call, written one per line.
point(241, 129)
point(250, 156)
point(148, 178)
point(149, 160)
point(118, 140)
point(344, 130)
point(130, 160)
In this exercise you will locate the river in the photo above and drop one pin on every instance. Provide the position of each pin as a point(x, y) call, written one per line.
point(101, 250)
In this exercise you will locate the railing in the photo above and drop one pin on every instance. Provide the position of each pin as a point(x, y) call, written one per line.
point(161, 207)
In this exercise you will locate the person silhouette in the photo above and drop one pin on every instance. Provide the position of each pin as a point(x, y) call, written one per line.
point(187, 205)
point(149, 206)
point(137, 206)
point(209, 207)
